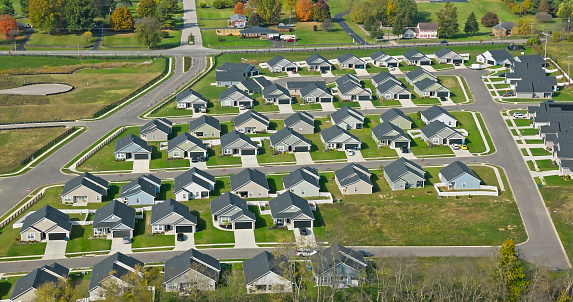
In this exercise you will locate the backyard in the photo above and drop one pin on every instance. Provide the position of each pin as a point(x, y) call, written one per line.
point(557, 193)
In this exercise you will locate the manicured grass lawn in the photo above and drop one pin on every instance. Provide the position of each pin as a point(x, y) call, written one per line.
point(340, 104)
point(24, 249)
point(7, 286)
point(474, 140)
point(392, 103)
point(317, 150)
point(539, 152)
point(275, 182)
point(80, 242)
point(307, 72)
point(452, 83)
point(534, 141)
point(406, 68)
point(43, 39)
point(262, 232)
point(557, 196)
point(522, 122)
point(546, 165)
point(207, 232)
point(143, 236)
point(502, 86)
point(524, 152)
point(104, 159)
point(305, 34)
point(529, 131)
point(159, 158)
point(306, 107)
point(420, 148)
point(129, 40)
point(16, 145)
point(438, 66)
point(13, 64)
point(426, 101)
point(260, 106)
point(514, 132)
point(210, 39)
point(215, 158)
point(369, 147)
point(266, 155)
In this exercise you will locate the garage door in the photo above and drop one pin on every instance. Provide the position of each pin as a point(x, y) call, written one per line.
point(301, 149)
point(198, 105)
point(458, 61)
point(140, 156)
point(326, 100)
point(456, 141)
point(364, 98)
point(302, 224)
point(351, 146)
point(249, 152)
point(184, 229)
point(404, 96)
point(443, 93)
point(324, 68)
point(243, 225)
point(491, 62)
point(196, 154)
point(426, 63)
point(393, 64)
point(284, 101)
point(121, 234)
point(246, 104)
point(57, 236)
point(401, 144)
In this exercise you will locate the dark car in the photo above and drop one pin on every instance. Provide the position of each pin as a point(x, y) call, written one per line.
point(548, 102)
point(442, 99)
point(180, 237)
point(202, 159)
point(365, 253)
point(501, 75)
point(194, 159)
point(404, 149)
point(303, 231)
point(443, 42)
point(509, 93)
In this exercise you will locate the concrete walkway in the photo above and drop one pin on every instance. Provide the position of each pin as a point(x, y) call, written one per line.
point(245, 239)
point(303, 158)
point(55, 249)
point(545, 173)
point(117, 245)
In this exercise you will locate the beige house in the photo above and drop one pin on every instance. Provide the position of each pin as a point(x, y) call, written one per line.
point(25, 288)
point(300, 122)
point(45, 224)
point(156, 130)
point(267, 273)
point(205, 127)
point(251, 122)
point(354, 179)
point(84, 189)
point(191, 270)
point(250, 183)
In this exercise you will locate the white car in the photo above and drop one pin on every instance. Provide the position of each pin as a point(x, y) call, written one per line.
point(518, 115)
point(305, 252)
point(456, 147)
point(349, 152)
point(391, 68)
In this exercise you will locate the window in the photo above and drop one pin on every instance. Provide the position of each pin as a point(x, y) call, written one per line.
point(302, 192)
point(280, 148)
point(260, 193)
point(250, 193)
point(176, 154)
point(153, 136)
point(98, 198)
point(300, 130)
point(158, 228)
point(67, 198)
point(184, 195)
point(199, 134)
point(31, 236)
point(435, 141)
point(213, 133)
point(464, 184)
point(355, 189)
point(227, 103)
point(227, 151)
point(137, 200)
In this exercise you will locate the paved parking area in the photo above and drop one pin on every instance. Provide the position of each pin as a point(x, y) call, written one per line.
point(303, 158)
point(55, 249)
point(186, 244)
point(140, 166)
point(305, 241)
point(117, 245)
point(244, 238)
point(249, 161)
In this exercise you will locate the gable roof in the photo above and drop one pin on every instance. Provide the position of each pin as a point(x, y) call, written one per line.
point(456, 169)
point(37, 278)
point(125, 141)
point(392, 87)
point(413, 54)
point(348, 57)
point(334, 132)
point(190, 96)
point(445, 52)
point(337, 254)
point(90, 181)
point(401, 166)
point(263, 263)
point(204, 120)
point(347, 87)
point(233, 136)
point(238, 17)
point(59, 218)
point(347, 78)
point(192, 259)
point(345, 112)
point(353, 173)
point(193, 175)
point(505, 25)
point(248, 115)
point(316, 59)
point(392, 114)
point(303, 84)
point(228, 201)
point(434, 112)
point(286, 132)
point(275, 90)
point(301, 174)
point(282, 206)
point(429, 84)
point(428, 25)
point(384, 76)
point(301, 116)
point(125, 213)
point(138, 185)
point(248, 175)
point(382, 131)
point(418, 72)
point(233, 90)
point(162, 209)
point(499, 54)
point(378, 55)
point(436, 127)
point(181, 138)
point(116, 263)
point(279, 60)
point(162, 124)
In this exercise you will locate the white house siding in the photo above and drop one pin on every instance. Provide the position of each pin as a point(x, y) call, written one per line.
point(270, 283)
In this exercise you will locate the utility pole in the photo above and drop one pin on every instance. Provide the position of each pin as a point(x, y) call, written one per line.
point(569, 70)
point(531, 25)
point(546, 38)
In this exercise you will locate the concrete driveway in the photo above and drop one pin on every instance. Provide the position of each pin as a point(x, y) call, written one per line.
point(328, 107)
point(249, 161)
point(198, 165)
point(407, 103)
point(245, 239)
point(285, 108)
point(141, 166)
point(187, 244)
point(303, 158)
point(305, 241)
point(357, 157)
point(365, 105)
point(55, 249)
point(462, 153)
point(117, 245)
point(361, 72)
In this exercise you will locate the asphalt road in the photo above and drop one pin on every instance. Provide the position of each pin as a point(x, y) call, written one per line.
point(338, 18)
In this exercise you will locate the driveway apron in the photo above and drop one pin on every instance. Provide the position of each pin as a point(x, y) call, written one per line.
point(328, 107)
point(117, 245)
point(303, 158)
point(186, 244)
point(305, 241)
point(249, 161)
point(244, 238)
point(140, 166)
point(55, 249)
point(285, 108)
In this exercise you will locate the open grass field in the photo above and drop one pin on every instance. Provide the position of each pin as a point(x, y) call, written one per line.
point(129, 40)
point(7, 286)
point(457, 94)
point(17, 145)
point(557, 196)
point(262, 232)
point(40, 39)
point(104, 159)
point(474, 140)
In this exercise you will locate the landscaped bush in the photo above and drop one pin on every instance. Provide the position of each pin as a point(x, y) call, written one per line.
point(202, 5)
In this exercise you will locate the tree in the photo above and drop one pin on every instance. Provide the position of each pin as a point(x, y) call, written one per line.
point(254, 20)
point(543, 17)
point(87, 36)
point(121, 18)
point(79, 14)
point(60, 291)
point(543, 6)
point(327, 25)
point(370, 23)
point(555, 37)
point(219, 4)
point(321, 11)
point(521, 28)
point(290, 5)
point(127, 3)
point(146, 8)
point(239, 8)
point(8, 8)
point(489, 19)
point(103, 8)
point(24, 7)
point(359, 12)
point(398, 27)
point(510, 272)
point(8, 26)
point(46, 14)
point(165, 12)
point(148, 31)
point(471, 26)
point(565, 9)
point(269, 10)
point(250, 7)
point(304, 10)
point(447, 21)
point(406, 10)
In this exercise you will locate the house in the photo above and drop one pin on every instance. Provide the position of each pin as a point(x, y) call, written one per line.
point(494, 56)
point(280, 64)
point(190, 271)
point(267, 273)
point(251, 121)
point(141, 191)
point(536, 86)
point(388, 134)
point(347, 118)
point(315, 93)
point(230, 74)
point(236, 143)
point(190, 99)
point(301, 122)
point(318, 63)
point(287, 140)
point(502, 29)
point(336, 138)
point(347, 78)
point(402, 174)
point(291, 210)
point(350, 61)
point(383, 77)
point(338, 266)
point(238, 21)
point(132, 147)
point(427, 30)
point(276, 94)
point(25, 287)
point(186, 145)
point(114, 219)
point(193, 184)
point(281, 27)
point(396, 117)
point(415, 57)
point(45, 224)
point(437, 113)
point(294, 87)
point(527, 77)
point(254, 85)
point(234, 97)
point(438, 133)
point(232, 212)
point(409, 33)
point(351, 91)
point(458, 176)
point(156, 130)
point(172, 217)
point(447, 56)
point(250, 183)
point(431, 88)
point(391, 90)
point(379, 58)
point(419, 74)
point(303, 181)
point(83, 189)
point(205, 126)
point(354, 179)
point(259, 32)
point(110, 271)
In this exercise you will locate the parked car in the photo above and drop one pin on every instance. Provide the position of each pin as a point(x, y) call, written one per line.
point(305, 252)
point(518, 115)
point(509, 93)
point(126, 240)
point(442, 99)
point(365, 253)
point(501, 75)
point(391, 68)
point(203, 109)
point(180, 237)
point(476, 66)
point(202, 159)
point(443, 42)
point(548, 102)
point(464, 147)
point(293, 71)
point(194, 159)
point(304, 231)
point(455, 146)
point(457, 64)
point(290, 40)
point(404, 149)
point(350, 152)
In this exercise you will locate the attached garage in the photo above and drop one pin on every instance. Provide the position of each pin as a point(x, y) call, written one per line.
point(184, 229)
point(243, 225)
point(404, 96)
point(248, 152)
point(443, 94)
point(303, 224)
point(326, 100)
point(393, 64)
point(350, 146)
point(458, 141)
point(425, 62)
point(284, 101)
point(57, 236)
point(491, 62)
point(246, 104)
point(402, 144)
point(141, 156)
point(461, 61)
point(121, 234)
point(196, 154)
point(325, 68)
point(301, 149)
point(364, 98)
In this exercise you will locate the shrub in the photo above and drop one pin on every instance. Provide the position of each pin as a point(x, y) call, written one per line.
point(314, 27)
point(219, 4)
point(202, 5)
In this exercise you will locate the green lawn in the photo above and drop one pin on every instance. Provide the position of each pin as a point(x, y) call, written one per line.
point(340, 104)
point(7, 286)
point(534, 141)
point(104, 159)
point(529, 131)
point(262, 232)
point(143, 236)
point(474, 140)
point(129, 40)
point(452, 83)
point(557, 196)
point(426, 101)
point(267, 155)
point(318, 152)
point(546, 165)
point(539, 152)
point(80, 240)
point(421, 149)
point(369, 147)
point(208, 234)
point(42, 39)
point(215, 158)
point(159, 158)
point(522, 122)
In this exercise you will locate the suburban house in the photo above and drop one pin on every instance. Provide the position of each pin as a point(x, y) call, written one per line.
point(415, 57)
point(528, 77)
point(409, 33)
point(259, 32)
point(193, 184)
point(438, 133)
point(336, 138)
point(419, 74)
point(502, 29)
point(351, 91)
point(291, 210)
point(350, 61)
point(190, 99)
point(250, 183)
point(303, 181)
point(315, 93)
point(132, 147)
point(294, 87)
point(388, 134)
point(383, 77)
point(280, 64)
point(347, 78)
point(25, 287)
point(354, 179)
point(431, 88)
point(287, 140)
point(284, 28)
point(396, 117)
point(234, 97)
point(156, 130)
point(494, 56)
point(238, 21)
point(116, 219)
point(171, 217)
point(437, 113)
point(111, 270)
point(251, 121)
point(45, 224)
point(230, 74)
point(301, 122)
point(318, 63)
point(447, 56)
point(141, 191)
point(266, 273)
point(391, 90)
point(236, 143)
point(347, 118)
point(205, 126)
point(232, 212)
point(458, 176)
point(379, 58)
point(276, 94)
point(254, 85)
point(185, 145)
point(83, 189)
point(338, 266)
point(427, 30)
point(191, 271)
point(402, 174)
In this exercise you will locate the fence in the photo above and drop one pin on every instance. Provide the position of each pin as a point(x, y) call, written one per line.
point(21, 209)
point(48, 145)
point(98, 147)
point(487, 190)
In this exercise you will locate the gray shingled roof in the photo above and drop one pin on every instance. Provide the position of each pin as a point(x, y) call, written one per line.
point(500, 54)
point(248, 115)
point(378, 55)
point(435, 127)
point(352, 173)
point(202, 120)
point(381, 131)
point(414, 74)
point(414, 54)
point(242, 178)
point(275, 60)
point(125, 141)
point(301, 174)
point(341, 114)
point(392, 87)
point(162, 209)
point(181, 138)
point(337, 254)
point(102, 269)
point(383, 77)
point(164, 125)
point(271, 91)
point(232, 90)
point(347, 78)
point(282, 134)
point(37, 278)
point(425, 84)
point(391, 114)
point(234, 135)
point(50, 213)
point(121, 210)
point(442, 52)
point(348, 86)
point(316, 59)
point(303, 84)
point(229, 201)
point(399, 167)
point(263, 263)
point(137, 185)
point(237, 17)
point(349, 57)
point(192, 176)
point(456, 169)
point(287, 200)
point(299, 116)
point(506, 25)
point(192, 259)
point(90, 181)
point(334, 132)
point(435, 111)
point(186, 93)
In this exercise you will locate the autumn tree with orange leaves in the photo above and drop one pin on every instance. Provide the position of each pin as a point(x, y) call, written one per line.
point(304, 10)
point(239, 8)
point(8, 26)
